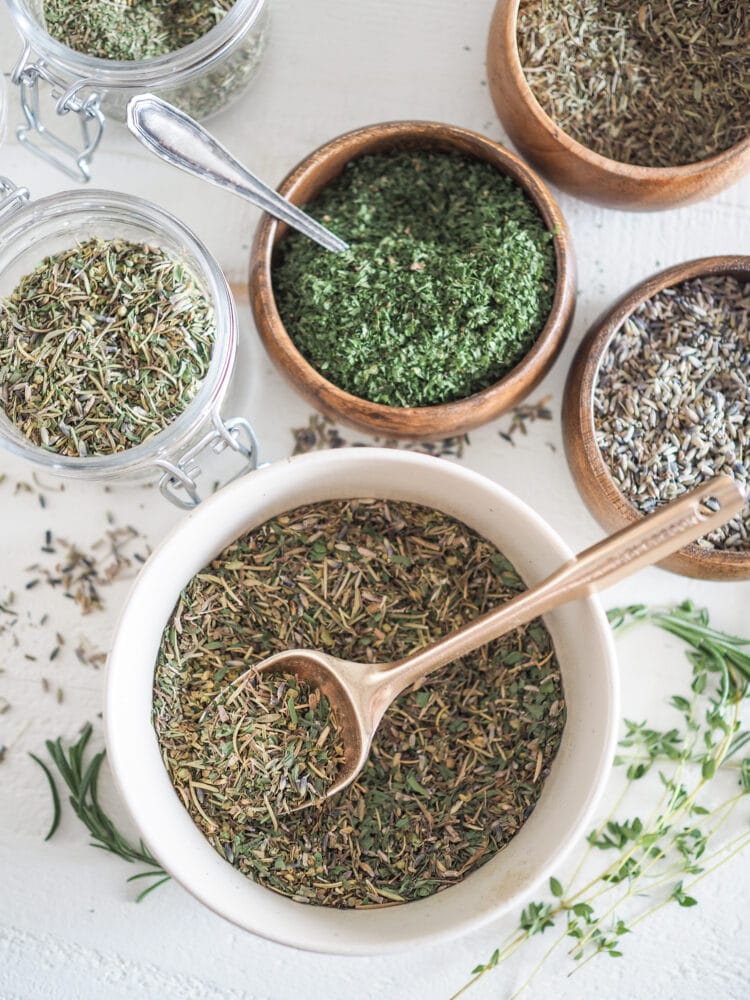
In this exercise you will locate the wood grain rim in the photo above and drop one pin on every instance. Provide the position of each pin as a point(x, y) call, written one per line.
point(575, 167)
point(590, 471)
point(415, 423)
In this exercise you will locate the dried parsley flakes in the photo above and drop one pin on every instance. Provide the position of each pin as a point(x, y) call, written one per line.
point(448, 283)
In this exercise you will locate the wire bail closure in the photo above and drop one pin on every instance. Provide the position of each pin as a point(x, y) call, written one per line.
point(178, 485)
point(37, 137)
point(11, 196)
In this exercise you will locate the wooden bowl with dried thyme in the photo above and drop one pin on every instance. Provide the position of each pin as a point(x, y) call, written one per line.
point(640, 106)
point(455, 297)
point(658, 399)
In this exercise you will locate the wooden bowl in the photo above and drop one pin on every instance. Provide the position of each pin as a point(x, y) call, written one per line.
point(574, 167)
point(304, 183)
point(590, 471)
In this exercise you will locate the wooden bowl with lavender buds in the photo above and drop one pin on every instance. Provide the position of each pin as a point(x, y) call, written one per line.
point(628, 180)
point(640, 426)
point(416, 422)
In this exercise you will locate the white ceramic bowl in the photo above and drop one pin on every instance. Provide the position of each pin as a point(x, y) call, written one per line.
point(582, 640)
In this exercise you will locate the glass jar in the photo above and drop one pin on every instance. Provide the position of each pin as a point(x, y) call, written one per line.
point(202, 78)
point(29, 231)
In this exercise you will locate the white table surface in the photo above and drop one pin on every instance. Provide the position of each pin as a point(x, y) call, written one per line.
point(68, 923)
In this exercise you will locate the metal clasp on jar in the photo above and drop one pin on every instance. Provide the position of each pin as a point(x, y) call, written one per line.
point(11, 196)
point(74, 161)
point(178, 482)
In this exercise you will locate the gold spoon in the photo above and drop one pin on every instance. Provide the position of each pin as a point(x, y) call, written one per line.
point(360, 693)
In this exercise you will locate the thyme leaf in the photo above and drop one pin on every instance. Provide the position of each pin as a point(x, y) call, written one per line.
point(659, 859)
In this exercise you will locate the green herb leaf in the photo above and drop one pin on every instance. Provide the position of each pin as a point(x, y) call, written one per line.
point(55, 795)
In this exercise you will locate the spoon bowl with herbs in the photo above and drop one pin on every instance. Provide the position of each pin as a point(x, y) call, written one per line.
point(360, 693)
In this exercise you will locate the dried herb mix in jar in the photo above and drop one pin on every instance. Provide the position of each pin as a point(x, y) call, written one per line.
point(672, 397)
point(448, 282)
point(654, 83)
point(457, 765)
point(131, 30)
point(102, 346)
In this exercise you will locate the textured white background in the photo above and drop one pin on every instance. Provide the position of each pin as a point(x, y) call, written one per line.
point(68, 925)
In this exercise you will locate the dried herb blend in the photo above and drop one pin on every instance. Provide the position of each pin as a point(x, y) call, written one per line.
point(131, 30)
point(268, 745)
point(448, 283)
point(672, 397)
point(102, 346)
point(656, 83)
point(457, 765)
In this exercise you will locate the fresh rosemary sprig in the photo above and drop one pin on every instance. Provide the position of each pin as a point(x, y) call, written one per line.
point(691, 624)
point(82, 781)
point(660, 858)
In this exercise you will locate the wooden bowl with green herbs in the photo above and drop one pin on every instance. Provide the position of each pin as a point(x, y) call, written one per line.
point(655, 403)
point(454, 300)
point(641, 109)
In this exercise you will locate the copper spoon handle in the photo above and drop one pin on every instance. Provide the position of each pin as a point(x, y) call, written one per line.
point(641, 544)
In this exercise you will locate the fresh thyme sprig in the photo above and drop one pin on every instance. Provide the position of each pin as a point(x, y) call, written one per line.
point(82, 782)
point(661, 858)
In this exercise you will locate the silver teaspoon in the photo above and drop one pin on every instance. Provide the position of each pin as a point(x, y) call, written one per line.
point(177, 138)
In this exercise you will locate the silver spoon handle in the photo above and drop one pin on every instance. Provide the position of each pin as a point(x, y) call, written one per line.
point(644, 543)
point(181, 141)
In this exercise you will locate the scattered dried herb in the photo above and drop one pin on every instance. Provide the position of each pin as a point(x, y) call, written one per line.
point(525, 414)
point(321, 433)
point(656, 83)
point(82, 782)
point(672, 397)
point(448, 283)
point(457, 765)
point(102, 346)
point(131, 29)
point(81, 573)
